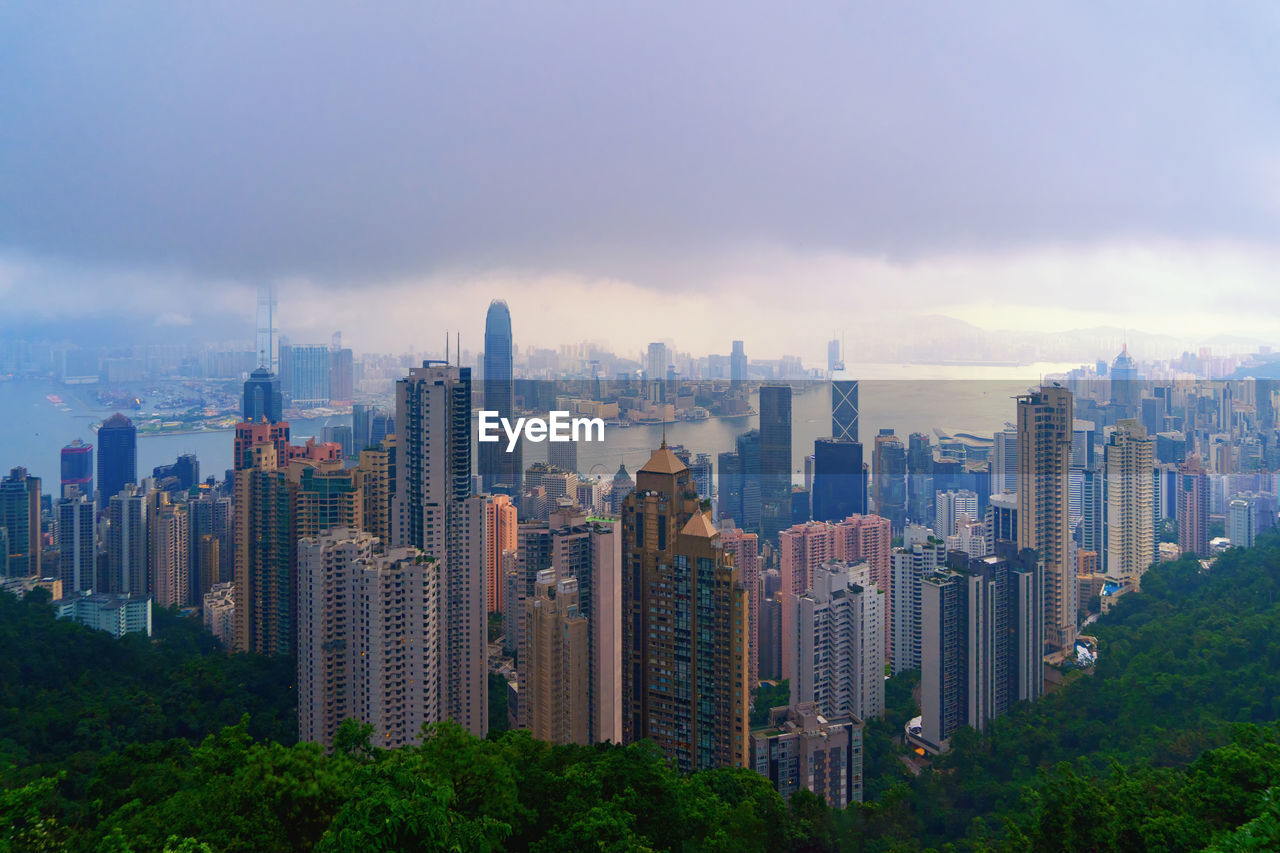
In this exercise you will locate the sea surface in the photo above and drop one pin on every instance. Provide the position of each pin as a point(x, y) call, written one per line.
point(905, 398)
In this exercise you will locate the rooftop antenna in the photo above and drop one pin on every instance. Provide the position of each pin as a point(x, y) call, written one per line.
point(266, 326)
point(458, 348)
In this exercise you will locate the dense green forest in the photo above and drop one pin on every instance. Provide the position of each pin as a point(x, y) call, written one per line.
point(132, 745)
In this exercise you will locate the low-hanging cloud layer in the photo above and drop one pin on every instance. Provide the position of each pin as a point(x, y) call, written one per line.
point(988, 161)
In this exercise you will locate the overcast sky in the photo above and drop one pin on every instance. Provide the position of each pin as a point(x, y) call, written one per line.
point(636, 171)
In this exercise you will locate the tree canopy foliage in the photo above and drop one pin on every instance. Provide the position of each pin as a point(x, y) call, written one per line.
point(133, 745)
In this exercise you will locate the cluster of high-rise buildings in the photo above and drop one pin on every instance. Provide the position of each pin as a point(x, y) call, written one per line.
point(651, 605)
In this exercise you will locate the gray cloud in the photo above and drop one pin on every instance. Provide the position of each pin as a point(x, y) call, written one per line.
point(347, 143)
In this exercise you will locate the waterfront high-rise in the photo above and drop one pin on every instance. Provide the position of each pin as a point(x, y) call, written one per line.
point(77, 469)
point(737, 365)
point(262, 397)
point(683, 626)
point(500, 470)
point(20, 517)
point(1045, 423)
point(775, 460)
point(844, 407)
point(1129, 515)
point(117, 456)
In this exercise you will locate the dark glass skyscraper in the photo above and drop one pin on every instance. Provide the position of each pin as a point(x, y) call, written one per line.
point(844, 407)
point(117, 456)
point(500, 470)
point(262, 397)
point(839, 480)
point(775, 460)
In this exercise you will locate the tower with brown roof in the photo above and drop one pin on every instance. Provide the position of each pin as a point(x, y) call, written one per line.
point(684, 624)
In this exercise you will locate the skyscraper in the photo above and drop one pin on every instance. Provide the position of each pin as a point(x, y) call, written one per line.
point(501, 536)
point(737, 365)
point(128, 554)
point(1193, 508)
point(889, 479)
point(557, 689)
point(77, 545)
point(367, 640)
point(1130, 507)
point(920, 491)
point(77, 469)
point(844, 407)
point(775, 460)
point(170, 553)
point(262, 527)
point(20, 516)
point(1126, 390)
point(981, 645)
point(1045, 424)
point(911, 565)
point(745, 548)
point(117, 455)
point(435, 512)
point(500, 470)
point(839, 479)
point(262, 397)
point(683, 626)
point(836, 658)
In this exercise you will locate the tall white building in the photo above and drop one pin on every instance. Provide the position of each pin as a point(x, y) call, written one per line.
point(368, 638)
point(77, 544)
point(1129, 511)
point(838, 663)
point(220, 612)
point(1240, 522)
point(910, 566)
point(949, 506)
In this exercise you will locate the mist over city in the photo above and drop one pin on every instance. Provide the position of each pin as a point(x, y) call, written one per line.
point(566, 426)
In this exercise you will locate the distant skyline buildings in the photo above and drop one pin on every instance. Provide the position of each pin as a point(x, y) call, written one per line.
point(500, 469)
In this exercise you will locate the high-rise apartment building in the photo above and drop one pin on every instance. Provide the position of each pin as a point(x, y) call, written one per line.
point(501, 470)
point(836, 658)
point(980, 640)
point(128, 541)
point(745, 548)
point(170, 552)
point(501, 522)
point(375, 476)
point(77, 544)
point(775, 460)
point(802, 748)
point(556, 691)
point(911, 565)
point(219, 611)
point(684, 625)
point(434, 511)
point(1241, 527)
point(20, 518)
point(117, 456)
point(588, 550)
point(1045, 422)
point(1193, 508)
point(1130, 510)
point(262, 536)
point(950, 506)
point(367, 640)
